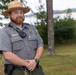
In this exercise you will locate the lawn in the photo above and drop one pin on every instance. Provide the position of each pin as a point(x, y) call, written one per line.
point(62, 63)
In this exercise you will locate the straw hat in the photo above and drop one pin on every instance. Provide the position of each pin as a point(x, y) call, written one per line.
point(15, 5)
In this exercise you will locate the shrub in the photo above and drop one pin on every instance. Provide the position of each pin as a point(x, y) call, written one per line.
point(42, 29)
point(64, 29)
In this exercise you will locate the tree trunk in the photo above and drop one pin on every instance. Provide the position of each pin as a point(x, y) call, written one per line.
point(50, 27)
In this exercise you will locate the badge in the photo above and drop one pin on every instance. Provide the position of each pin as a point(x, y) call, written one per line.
point(30, 31)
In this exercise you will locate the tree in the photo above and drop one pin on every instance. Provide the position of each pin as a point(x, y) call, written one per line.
point(40, 15)
point(4, 3)
point(68, 12)
point(50, 27)
point(41, 22)
point(24, 2)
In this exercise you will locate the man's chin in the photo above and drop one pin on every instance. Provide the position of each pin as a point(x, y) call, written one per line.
point(18, 23)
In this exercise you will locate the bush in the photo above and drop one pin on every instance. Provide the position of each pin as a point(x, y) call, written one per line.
point(42, 29)
point(64, 29)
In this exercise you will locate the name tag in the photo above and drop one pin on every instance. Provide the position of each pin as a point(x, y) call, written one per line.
point(14, 34)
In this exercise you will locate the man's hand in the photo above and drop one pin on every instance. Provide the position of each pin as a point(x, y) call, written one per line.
point(31, 65)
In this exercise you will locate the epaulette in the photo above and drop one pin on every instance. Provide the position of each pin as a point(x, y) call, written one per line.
point(26, 23)
point(6, 26)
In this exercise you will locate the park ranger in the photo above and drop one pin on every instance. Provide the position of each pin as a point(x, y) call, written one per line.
point(20, 43)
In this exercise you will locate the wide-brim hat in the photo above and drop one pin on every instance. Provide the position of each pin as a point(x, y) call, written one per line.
point(15, 5)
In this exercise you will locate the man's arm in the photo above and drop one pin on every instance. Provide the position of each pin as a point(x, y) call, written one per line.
point(39, 52)
point(32, 63)
point(13, 58)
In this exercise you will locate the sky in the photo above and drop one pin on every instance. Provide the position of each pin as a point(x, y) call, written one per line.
point(63, 4)
point(57, 4)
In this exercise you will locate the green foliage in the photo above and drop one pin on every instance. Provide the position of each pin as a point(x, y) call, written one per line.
point(41, 22)
point(41, 25)
point(64, 29)
point(42, 29)
point(40, 15)
point(68, 12)
point(3, 4)
point(41, 18)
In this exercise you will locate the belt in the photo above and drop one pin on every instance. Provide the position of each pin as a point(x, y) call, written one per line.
point(15, 66)
point(20, 67)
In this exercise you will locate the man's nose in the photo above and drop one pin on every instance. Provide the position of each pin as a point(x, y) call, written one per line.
point(20, 13)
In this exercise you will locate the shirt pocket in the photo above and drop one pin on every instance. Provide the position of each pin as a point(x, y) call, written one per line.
point(33, 42)
point(17, 43)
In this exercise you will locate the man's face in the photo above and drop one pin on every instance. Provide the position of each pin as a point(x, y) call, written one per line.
point(17, 16)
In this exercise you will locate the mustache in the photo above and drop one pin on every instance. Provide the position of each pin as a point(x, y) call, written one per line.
point(20, 17)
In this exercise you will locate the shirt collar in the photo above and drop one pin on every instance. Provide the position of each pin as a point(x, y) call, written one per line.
point(13, 25)
point(25, 25)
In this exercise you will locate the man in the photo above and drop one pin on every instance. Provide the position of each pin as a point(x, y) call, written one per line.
point(20, 43)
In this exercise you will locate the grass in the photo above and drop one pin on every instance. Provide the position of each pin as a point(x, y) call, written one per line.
point(62, 63)
point(1, 65)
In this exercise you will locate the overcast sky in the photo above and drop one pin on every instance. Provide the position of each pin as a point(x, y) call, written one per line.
point(57, 4)
point(64, 4)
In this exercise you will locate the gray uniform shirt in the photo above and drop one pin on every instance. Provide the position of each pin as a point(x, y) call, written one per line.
point(10, 41)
